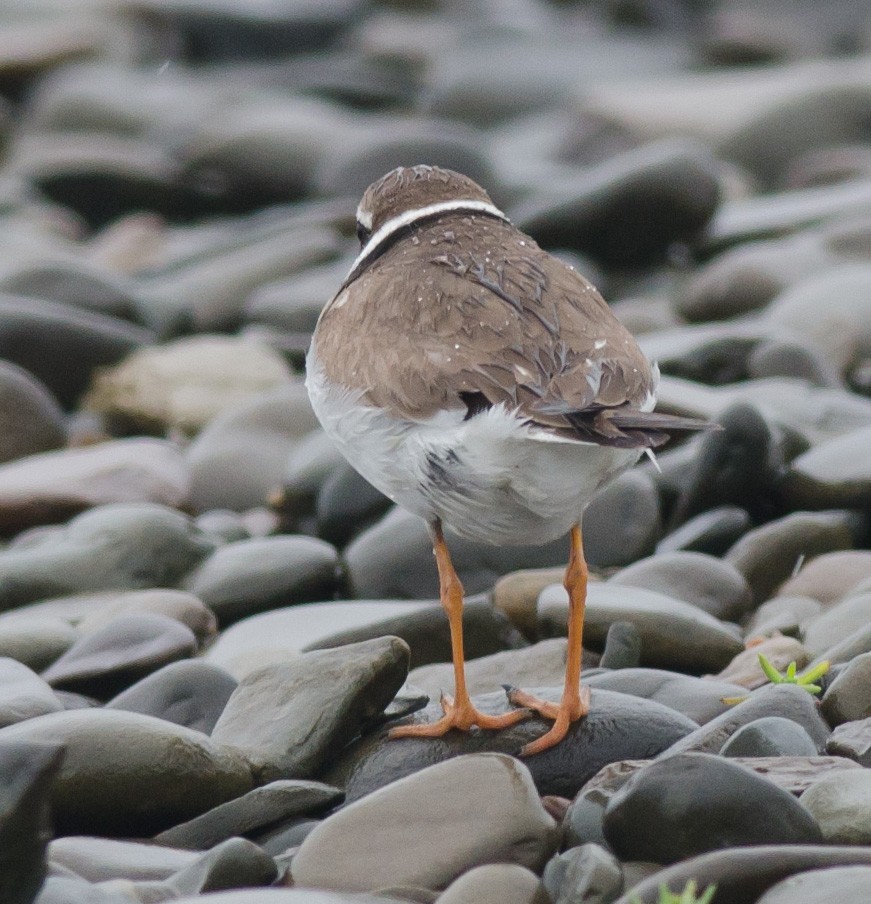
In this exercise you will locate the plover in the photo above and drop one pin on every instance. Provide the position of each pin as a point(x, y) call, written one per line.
point(484, 384)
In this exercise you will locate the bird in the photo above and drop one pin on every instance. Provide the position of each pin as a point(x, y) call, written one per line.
point(484, 384)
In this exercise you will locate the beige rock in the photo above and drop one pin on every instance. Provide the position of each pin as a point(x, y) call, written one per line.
point(745, 670)
point(830, 576)
point(496, 883)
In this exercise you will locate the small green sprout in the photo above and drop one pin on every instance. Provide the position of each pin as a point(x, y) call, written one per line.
point(687, 896)
point(805, 679)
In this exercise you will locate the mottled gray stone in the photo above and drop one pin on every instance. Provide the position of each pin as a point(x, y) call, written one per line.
point(769, 736)
point(848, 697)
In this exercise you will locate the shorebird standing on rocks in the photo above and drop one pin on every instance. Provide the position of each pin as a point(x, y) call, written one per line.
point(481, 383)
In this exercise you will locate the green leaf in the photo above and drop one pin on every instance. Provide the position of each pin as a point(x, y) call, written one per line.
point(771, 673)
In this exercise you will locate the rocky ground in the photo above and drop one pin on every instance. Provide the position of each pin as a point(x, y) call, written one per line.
point(208, 620)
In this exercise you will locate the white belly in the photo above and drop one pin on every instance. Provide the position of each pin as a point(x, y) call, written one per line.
point(491, 478)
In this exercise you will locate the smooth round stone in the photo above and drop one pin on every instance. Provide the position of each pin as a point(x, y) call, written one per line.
point(185, 384)
point(191, 693)
point(284, 896)
point(743, 874)
point(832, 474)
point(737, 465)
point(787, 700)
point(584, 873)
point(845, 650)
point(689, 804)
point(122, 546)
point(495, 883)
point(698, 699)
point(251, 576)
point(704, 581)
point(36, 641)
point(27, 771)
point(830, 576)
point(258, 809)
point(838, 623)
point(23, 694)
point(622, 647)
point(310, 464)
point(674, 634)
point(711, 532)
point(61, 345)
point(853, 740)
point(541, 664)
point(31, 420)
point(282, 634)
point(67, 890)
point(426, 630)
point(848, 697)
point(114, 657)
point(792, 358)
point(393, 559)
point(783, 614)
point(618, 727)
point(131, 775)
point(766, 556)
point(770, 736)
point(745, 669)
point(516, 594)
point(239, 459)
point(629, 210)
point(100, 859)
point(53, 486)
point(428, 828)
point(227, 526)
point(234, 863)
point(286, 719)
point(847, 884)
point(841, 804)
point(346, 504)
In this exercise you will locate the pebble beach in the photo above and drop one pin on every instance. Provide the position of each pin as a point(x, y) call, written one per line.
point(209, 621)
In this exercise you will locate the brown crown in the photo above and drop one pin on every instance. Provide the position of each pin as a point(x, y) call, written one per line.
point(413, 187)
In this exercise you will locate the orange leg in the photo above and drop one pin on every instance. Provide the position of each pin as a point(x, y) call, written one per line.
point(459, 711)
point(575, 701)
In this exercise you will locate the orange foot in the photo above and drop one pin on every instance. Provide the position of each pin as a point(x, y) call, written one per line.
point(563, 714)
point(461, 716)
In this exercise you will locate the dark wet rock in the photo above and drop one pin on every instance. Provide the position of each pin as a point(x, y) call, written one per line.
point(839, 883)
point(770, 736)
point(183, 385)
point(743, 874)
point(53, 486)
point(848, 697)
point(102, 859)
point(36, 641)
point(234, 863)
point(689, 804)
point(23, 694)
point(27, 771)
point(617, 727)
point(427, 829)
point(853, 740)
point(766, 556)
point(315, 704)
point(31, 420)
point(629, 210)
point(60, 345)
point(746, 670)
point(255, 811)
point(829, 577)
point(239, 459)
point(841, 804)
point(127, 546)
point(310, 464)
point(393, 559)
point(116, 656)
point(839, 622)
point(622, 647)
point(584, 873)
point(192, 693)
point(622, 522)
point(699, 699)
point(425, 629)
point(787, 700)
point(737, 465)
point(711, 532)
point(674, 634)
point(543, 663)
point(835, 473)
point(131, 775)
point(704, 581)
point(251, 576)
point(495, 883)
point(346, 504)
